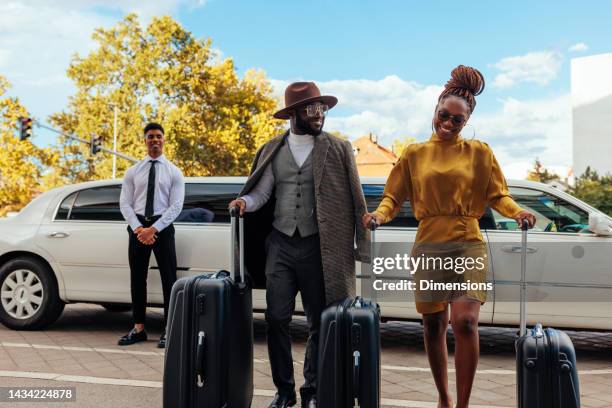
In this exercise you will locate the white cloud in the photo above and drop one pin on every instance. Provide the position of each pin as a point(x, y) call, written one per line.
point(534, 67)
point(518, 131)
point(38, 39)
point(389, 107)
point(523, 130)
point(37, 42)
point(579, 47)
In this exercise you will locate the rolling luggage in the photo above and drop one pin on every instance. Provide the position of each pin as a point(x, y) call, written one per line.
point(209, 351)
point(546, 373)
point(349, 353)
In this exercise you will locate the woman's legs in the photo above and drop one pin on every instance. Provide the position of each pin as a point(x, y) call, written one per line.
point(464, 320)
point(434, 327)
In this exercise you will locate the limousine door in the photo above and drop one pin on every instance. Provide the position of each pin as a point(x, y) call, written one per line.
point(87, 237)
point(203, 230)
point(568, 272)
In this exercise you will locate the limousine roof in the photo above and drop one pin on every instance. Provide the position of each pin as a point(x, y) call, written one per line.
point(240, 180)
point(42, 201)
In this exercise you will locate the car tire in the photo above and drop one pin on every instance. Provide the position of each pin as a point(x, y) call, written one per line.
point(116, 307)
point(29, 296)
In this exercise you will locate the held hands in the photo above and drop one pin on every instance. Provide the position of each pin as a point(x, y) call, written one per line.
point(525, 215)
point(367, 217)
point(146, 235)
point(240, 203)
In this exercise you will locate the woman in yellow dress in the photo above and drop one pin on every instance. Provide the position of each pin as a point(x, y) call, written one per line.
point(450, 182)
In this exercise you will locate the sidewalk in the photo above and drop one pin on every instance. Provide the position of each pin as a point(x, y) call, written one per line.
point(81, 348)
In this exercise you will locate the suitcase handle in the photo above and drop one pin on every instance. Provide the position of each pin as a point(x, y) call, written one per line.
point(355, 345)
point(523, 312)
point(372, 227)
point(235, 213)
point(356, 378)
point(200, 359)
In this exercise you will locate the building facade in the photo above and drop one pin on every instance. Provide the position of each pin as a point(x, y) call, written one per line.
point(592, 113)
point(373, 160)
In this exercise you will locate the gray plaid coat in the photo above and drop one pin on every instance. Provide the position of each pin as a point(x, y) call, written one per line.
point(340, 204)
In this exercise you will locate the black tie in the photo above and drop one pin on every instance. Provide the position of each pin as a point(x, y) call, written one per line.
point(150, 190)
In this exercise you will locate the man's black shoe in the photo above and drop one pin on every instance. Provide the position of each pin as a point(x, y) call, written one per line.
point(309, 401)
point(282, 401)
point(162, 340)
point(132, 337)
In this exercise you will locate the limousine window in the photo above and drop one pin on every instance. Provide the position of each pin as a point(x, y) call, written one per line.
point(207, 202)
point(405, 218)
point(63, 211)
point(552, 213)
point(373, 195)
point(96, 204)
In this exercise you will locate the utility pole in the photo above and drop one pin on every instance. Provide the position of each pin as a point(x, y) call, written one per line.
point(90, 142)
point(115, 142)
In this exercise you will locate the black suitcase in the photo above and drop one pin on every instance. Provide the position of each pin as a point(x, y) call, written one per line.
point(546, 373)
point(349, 353)
point(209, 351)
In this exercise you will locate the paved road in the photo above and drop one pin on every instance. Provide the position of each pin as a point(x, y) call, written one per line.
point(80, 351)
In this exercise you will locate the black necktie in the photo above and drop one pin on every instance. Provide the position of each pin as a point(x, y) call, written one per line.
point(150, 190)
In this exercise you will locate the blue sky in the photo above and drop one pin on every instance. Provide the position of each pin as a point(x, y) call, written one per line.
point(385, 60)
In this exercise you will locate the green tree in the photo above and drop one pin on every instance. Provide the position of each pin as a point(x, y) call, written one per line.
point(23, 166)
point(214, 120)
point(541, 174)
point(594, 189)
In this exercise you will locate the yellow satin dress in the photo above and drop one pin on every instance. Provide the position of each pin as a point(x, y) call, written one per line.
point(449, 184)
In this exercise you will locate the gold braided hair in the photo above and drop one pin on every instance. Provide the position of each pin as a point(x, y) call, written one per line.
point(465, 83)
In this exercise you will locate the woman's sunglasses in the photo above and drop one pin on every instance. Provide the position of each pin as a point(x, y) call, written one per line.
point(445, 115)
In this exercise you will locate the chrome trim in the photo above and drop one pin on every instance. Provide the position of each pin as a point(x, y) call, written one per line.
point(558, 285)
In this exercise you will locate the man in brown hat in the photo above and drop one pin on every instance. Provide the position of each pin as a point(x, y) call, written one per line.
point(303, 202)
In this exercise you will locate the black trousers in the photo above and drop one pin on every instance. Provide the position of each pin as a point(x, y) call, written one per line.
point(293, 264)
point(139, 255)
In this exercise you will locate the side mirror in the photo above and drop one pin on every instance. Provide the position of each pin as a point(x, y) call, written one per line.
point(600, 224)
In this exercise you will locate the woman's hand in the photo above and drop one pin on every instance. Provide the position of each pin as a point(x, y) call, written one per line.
point(525, 215)
point(367, 217)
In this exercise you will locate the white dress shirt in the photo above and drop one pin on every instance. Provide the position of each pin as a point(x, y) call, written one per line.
point(300, 147)
point(169, 192)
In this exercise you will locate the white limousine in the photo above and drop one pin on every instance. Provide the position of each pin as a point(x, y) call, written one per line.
point(70, 245)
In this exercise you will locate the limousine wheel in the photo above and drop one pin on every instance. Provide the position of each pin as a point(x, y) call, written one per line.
point(29, 298)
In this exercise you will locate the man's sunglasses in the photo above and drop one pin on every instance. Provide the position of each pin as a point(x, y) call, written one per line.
point(445, 115)
point(312, 110)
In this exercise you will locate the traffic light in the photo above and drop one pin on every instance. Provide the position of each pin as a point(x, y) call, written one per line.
point(25, 128)
point(95, 144)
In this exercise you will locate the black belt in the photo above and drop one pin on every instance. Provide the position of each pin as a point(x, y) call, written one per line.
point(152, 218)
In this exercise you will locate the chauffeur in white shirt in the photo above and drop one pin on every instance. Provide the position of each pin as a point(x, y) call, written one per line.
point(151, 198)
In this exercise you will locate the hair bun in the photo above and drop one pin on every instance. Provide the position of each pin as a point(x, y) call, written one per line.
point(468, 78)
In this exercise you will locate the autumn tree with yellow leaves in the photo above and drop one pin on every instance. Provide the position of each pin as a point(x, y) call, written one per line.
point(23, 166)
point(398, 145)
point(214, 120)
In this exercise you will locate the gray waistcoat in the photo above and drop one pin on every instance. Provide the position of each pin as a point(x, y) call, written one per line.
point(295, 195)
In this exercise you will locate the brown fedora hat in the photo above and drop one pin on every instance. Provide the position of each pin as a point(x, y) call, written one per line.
point(303, 93)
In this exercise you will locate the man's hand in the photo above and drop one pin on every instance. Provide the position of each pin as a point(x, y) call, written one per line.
point(367, 217)
point(147, 235)
point(240, 203)
point(525, 215)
